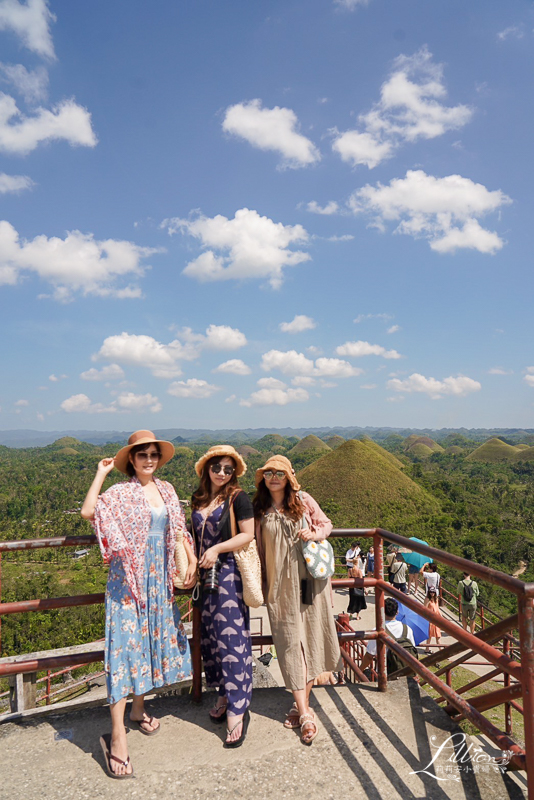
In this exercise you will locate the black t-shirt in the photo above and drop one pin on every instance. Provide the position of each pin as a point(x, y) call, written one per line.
point(242, 509)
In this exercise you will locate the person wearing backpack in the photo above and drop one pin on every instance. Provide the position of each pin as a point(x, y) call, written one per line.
point(467, 601)
point(401, 632)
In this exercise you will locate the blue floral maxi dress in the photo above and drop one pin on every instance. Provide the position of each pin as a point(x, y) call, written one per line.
point(146, 647)
point(225, 628)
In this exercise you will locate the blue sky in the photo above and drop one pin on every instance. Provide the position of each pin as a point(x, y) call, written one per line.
point(266, 214)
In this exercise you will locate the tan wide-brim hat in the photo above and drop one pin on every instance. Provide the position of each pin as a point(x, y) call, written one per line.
point(275, 463)
point(143, 437)
point(219, 451)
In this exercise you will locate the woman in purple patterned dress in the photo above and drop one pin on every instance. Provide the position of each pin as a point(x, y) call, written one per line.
point(146, 645)
point(225, 634)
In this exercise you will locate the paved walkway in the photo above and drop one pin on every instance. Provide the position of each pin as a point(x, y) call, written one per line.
point(369, 744)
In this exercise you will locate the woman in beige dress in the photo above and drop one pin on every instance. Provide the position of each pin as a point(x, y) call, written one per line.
point(299, 606)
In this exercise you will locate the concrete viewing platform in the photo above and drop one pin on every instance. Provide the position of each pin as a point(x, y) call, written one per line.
point(368, 745)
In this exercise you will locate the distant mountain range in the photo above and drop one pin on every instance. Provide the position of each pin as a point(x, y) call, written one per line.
point(31, 438)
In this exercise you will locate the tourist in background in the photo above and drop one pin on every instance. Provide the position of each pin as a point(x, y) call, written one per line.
point(146, 645)
point(299, 606)
point(434, 632)
point(352, 553)
point(432, 580)
point(370, 567)
point(225, 628)
point(467, 601)
point(399, 571)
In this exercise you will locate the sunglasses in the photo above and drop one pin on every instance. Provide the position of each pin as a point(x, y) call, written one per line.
point(269, 474)
point(216, 468)
point(152, 456)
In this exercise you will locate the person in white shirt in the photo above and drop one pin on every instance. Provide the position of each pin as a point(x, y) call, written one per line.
point(432, 580)
point(393, 625)
point(352, 553)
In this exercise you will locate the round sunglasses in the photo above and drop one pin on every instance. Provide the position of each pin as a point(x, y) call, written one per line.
point(269, 474)
point(216, 468)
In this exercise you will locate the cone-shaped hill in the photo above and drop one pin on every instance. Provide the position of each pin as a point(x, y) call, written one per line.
point(525, 455)
point(184, 452)
point(420, 450)
point(384, 453)
point(246, 451)
point(334, 441)
point(273, 442)
point(494, 450)
point(358, 488)
point(307, 444)
point(427, 441)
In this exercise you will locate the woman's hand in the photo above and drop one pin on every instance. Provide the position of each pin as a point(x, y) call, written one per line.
point(191, 575)
point(105, 466)
point(209, 558)
point(306, 535)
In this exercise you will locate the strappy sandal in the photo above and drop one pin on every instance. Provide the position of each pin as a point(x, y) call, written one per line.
point(105, 744)
point(218, 718)
point(292, 718)
point(229, 731)
point(138, 723)
point(307, 736)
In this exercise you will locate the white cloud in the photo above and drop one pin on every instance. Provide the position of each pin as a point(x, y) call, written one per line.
point(289, 362)
point(234, 367)
point(192, 388)
point(144, 351)
point(40, 417)
point(78, 263)
point(30, 21)
point(128, 401)
point(271, 383)
point(276, 397)
point(410, 108)
point(22, 403)
point(499, 371)
point(514, 31)
point(394, 329)
point(230, 398)
point(529, 377)
point(55, 378)
point(252, 246)
point(292, 363)
point(222, 337)
point(32, 85)
point(362, 317)
point(300, 323)
point(347, 237)
point(359, 349)
point(368, 386)
point(271, 129)
point(81, 404)
point(303, 380)
point(14, 183)
point(66, 120)
point(330, 208)
point(350, 5)
point(112, 372)
point(442, 210)
point(458, 387)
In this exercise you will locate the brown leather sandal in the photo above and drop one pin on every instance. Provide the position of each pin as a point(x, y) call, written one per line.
point(306, 735)
point(105, 744)
point(292, 718)
point(138, 723)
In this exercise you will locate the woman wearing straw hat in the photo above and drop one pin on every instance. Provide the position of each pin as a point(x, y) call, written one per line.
point(225, 629)
point(146, 646)
point(299, 606)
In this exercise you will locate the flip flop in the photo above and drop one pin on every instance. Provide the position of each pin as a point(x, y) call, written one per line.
point(220, 717)
point(138, 723)
point(238, 742)
point(105, 744)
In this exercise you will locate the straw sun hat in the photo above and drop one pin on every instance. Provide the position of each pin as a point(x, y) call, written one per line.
point(143, 437)
point(275, 463)
point(220, 451)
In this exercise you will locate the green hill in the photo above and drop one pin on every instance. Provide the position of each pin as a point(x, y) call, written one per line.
point(525, 455)
point(246, 451)
point(65, 441)
point(455, 450)
point(384, 453)
point(273, 442)
point(308, 444)
point(420, 450)
point(428, 442)
point(183, 451)
point(334, 441)
point(522, 447)
point(411, 440)
point(68, 451)
point(494, 450)
point(358, 487)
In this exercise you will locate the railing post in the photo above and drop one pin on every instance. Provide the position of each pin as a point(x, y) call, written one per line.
point(23, 691)
point(506, 683)
point(379, 613)
point(525, 610)
point(196, 656)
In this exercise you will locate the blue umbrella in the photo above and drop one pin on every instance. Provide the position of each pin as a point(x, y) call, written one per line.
point(416, 559)
point(418, 624)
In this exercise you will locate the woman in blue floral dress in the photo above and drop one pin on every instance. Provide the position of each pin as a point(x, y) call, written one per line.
point(225, 628)
point(146, 646)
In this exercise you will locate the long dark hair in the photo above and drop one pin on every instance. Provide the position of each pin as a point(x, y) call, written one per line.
point(138, 449)
point(202, 496)
point(292, 504)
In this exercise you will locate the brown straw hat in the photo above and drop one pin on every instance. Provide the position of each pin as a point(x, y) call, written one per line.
point(143, 437)
point(221, 450)
point(275, 463)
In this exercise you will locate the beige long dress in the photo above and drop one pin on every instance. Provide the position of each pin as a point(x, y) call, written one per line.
point(297, 628)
